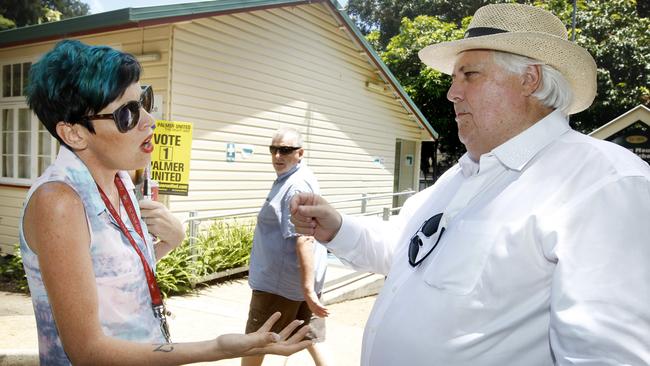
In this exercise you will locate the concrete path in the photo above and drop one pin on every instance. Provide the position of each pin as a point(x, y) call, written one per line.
point(215, 310)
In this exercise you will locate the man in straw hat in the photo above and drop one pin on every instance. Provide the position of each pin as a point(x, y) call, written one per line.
point(534, 248)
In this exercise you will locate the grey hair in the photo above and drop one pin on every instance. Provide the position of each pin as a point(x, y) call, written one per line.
point(553, 92)
point(288, 132)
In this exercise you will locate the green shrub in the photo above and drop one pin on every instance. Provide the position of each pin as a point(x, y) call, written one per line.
point(12, 273)
point(225, 244)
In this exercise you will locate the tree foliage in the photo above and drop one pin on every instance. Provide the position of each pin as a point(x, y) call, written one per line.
point(611, 30)
point(385, 16)
point(620, 43)
point(19, 13)
point(427, 87)
point(68, 8)
point(617, 37)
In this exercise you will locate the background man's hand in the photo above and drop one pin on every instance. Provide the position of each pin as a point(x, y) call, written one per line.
point(312, 215)
point(316, 307)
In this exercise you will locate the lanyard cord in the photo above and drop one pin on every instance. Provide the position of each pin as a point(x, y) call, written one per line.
point(154, 290)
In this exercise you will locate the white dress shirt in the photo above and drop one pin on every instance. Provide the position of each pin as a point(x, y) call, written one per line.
point(545, 259)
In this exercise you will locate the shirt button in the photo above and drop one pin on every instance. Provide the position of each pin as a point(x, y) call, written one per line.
point(394, 289)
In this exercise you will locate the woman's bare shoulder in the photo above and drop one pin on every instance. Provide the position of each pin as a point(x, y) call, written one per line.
point(54, 211)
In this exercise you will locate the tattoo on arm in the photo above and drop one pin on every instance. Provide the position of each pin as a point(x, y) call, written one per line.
point(167, 347)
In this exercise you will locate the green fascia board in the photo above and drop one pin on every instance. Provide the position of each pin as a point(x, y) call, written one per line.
point(130, 17)
point(37, 32)
point(134, 17)
point(206, 7)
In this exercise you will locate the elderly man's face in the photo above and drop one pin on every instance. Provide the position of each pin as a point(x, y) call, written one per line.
point(282, 163)
point(488, 102)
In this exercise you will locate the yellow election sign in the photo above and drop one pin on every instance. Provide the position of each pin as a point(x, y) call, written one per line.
point(170, 160)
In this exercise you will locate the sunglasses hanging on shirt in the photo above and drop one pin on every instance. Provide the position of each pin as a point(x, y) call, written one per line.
point(428, 228)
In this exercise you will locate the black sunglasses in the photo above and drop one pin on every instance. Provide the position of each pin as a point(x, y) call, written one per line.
point(284, 150)
point(127, 116)
point(428, 228)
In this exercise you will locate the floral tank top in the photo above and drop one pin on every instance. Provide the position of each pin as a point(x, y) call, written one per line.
point(123, 296)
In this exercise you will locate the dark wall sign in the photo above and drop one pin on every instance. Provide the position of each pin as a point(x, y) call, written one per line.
point(636, 138)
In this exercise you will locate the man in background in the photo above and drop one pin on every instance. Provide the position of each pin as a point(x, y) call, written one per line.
point(287, 270)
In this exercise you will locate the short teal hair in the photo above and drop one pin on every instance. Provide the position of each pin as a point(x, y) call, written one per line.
point(75, 80)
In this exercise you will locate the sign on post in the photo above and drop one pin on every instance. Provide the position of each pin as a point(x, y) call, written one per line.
point(170, 160)
point(636, 138)
point(230, 152)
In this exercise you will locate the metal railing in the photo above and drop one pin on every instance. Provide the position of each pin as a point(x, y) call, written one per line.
point(195, 220)
point(385, 212)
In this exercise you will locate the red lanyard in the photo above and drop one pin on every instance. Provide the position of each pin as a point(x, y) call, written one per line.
point(156, 298)
point(157, 304)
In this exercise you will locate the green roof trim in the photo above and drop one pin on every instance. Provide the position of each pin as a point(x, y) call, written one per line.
point(131, 17)
point(137, 17)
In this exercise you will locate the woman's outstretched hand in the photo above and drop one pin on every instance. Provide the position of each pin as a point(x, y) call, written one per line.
point(263, 341)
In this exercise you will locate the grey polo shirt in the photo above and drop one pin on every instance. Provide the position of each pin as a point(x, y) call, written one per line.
point(274, 263)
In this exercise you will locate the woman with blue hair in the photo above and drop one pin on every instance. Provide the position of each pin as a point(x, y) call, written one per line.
point(87, 251)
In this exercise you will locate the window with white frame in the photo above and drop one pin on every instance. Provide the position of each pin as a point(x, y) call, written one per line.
point(26, 147)
point(14, 79)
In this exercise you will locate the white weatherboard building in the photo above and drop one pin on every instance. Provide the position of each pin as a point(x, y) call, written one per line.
point(237, 70)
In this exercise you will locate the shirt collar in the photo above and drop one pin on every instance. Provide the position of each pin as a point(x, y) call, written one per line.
point(289, 172)
point(83, 181)
point(519, 150)
point(467, 166)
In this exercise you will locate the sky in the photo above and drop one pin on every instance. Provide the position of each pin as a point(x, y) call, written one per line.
point(100, 6)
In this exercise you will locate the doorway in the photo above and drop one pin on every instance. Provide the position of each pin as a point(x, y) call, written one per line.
point(405, 169)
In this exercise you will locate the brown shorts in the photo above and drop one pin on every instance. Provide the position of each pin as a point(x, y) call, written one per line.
point(264, 304)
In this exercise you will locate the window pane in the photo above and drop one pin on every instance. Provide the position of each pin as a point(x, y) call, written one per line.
point(7, 132)
point(7, 166)
point(26, 67)
point(7, 143)
point(44, 143)
point(23, 119)
point(15, 85)
point(24, 139)
point(43, 163)
point(6, 81)
point(23, 167)
point(7, 120)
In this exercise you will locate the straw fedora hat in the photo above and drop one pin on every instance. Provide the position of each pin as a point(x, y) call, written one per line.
point(528, 31)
